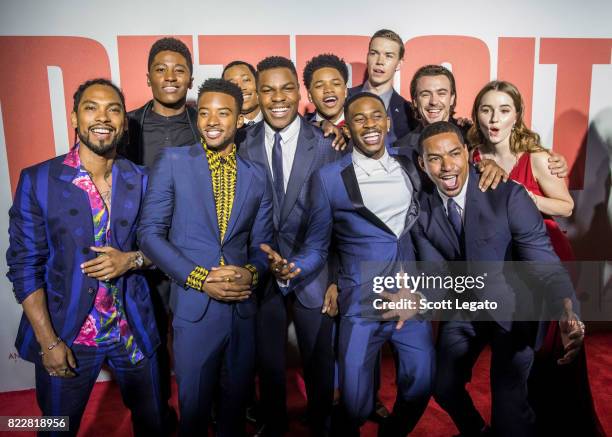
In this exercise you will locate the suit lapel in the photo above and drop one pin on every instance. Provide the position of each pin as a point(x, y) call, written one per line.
point(352, 188)
point(300, 169)
point(256, 151)
point(74, 205)
point(243, 182)
point(471, 222)
point(127, 189)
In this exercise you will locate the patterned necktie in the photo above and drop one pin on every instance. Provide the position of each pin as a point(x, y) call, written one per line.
point(277, 168)
point(454, 217)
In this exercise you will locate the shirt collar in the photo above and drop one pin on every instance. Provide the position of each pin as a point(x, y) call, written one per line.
point(257, 118)
point(459, 198)
point(385, 97)
point(287, 134)
point(369, 165)
point(319, 117)
point(73, 159)
point(214, 158)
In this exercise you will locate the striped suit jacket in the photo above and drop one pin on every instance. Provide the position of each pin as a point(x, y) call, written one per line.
point(50, 233)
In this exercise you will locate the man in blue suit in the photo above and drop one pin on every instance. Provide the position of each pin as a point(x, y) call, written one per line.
point(73, 265)
point(366, 203)
point(291, 150)
point(459, 222)
point(205, 213)
point(384, 59)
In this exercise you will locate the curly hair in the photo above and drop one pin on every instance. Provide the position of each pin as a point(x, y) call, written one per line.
point(215, 85)
point(322, 61)
point(238, 62)
point(171, 45)
point(78, 94)
point(276, 62)
point(522, 139)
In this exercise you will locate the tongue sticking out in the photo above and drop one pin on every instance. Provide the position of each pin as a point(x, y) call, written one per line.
point(450, 183)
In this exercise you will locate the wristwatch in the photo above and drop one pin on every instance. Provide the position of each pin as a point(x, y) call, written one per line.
point(138, 259)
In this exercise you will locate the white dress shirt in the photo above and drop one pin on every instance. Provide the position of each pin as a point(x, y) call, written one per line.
point(459, 200)
point(257, 118)
point(289, 137)
point(385, 188)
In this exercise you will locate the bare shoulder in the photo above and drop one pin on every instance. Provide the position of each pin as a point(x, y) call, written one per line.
point(539, 163)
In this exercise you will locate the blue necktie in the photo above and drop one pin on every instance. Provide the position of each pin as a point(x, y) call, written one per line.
point(277, 168)
point(454, 217)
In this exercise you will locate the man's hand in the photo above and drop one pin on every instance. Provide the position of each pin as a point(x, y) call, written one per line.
point(401, 315)
point(226, 285)
point(109, 264)
point(572, 334)
point(330, 301)
point(329, 128)
point(279, 266)
point(230, 273)
point(491, 174)
point(58, 361)
point(557, 165)
point(463, 122)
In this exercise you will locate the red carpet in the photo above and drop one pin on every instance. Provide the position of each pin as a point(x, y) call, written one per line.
point(106, 416)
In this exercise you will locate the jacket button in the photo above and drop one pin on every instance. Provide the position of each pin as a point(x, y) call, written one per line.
point(91, 290)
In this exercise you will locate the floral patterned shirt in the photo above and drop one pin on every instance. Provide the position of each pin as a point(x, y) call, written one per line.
point(106, 323)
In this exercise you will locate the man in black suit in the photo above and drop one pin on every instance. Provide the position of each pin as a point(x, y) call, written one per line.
point(164, 121)
point(292, 150)
point(459, 222)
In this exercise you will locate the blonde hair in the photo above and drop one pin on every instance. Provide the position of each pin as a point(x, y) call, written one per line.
point(522, 139)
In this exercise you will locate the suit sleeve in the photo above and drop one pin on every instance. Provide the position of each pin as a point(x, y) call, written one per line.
point(28, 250)
point(155, 221)
point(313, 254)
point(531, 243)
point(262, 231)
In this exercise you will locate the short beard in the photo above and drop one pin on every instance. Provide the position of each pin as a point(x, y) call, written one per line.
point(101, 149)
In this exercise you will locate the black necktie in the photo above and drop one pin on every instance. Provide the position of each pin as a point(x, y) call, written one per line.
point(249, 123)
point(277, 168)
point(454, 217)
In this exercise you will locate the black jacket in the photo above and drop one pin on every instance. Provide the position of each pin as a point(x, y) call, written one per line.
point(131, 146)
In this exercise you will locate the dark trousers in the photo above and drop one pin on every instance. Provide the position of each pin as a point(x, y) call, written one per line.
point(159, 284)
point(459, 345)
point(315, 334)
point(139, 385)
point(219, 350)
point(360, 343)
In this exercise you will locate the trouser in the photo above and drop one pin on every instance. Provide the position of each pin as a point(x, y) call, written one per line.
point(217, 349)
point(315, 334)
point(459, 345)
point(360, 343)
point(138, 383)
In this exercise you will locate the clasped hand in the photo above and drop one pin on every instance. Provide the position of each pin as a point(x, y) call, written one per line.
point(228, 283)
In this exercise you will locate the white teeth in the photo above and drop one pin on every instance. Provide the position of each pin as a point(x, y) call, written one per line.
point(101, 131)
point(330, 99)
point(213, 133)
point(371, 138)
point(280, 111)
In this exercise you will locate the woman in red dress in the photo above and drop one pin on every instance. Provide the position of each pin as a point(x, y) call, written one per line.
point(560, 392)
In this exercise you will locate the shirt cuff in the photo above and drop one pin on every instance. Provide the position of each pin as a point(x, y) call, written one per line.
point(251, 268)
point(196, 278)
